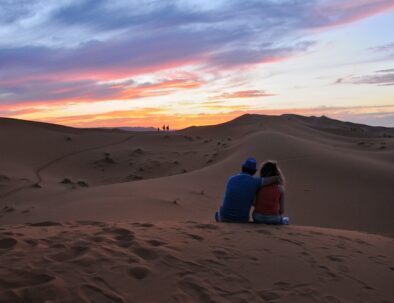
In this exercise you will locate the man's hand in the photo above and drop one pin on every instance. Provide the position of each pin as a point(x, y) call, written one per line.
point(270, 180)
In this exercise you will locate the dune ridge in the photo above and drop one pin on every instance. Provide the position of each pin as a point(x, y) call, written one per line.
point(338, 181)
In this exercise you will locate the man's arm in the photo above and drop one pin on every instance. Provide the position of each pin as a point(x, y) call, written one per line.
point(270, 180)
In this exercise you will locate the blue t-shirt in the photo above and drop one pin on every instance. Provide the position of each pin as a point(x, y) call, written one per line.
point(239, 196)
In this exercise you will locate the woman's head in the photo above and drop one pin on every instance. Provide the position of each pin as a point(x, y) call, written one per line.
point(271, 169)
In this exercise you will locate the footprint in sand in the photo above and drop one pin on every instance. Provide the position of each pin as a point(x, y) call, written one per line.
point(8, 209)
point(7, 243)
point(316, 233)
point(69, 253)
point(145, 253)
point(269, 295)
point(220, 254)
point(264, 232)
point(207, 226)
point(194, 236)
point(138, 272)
point(335, 258)
point(30, 242)
point(147, 225)
point(195, 291)
point(143, 224)
point(96, 294)
point(91, 222)
point(282, 284)
point(45, 223)
point(14, 278)
point(155, 242)
point(123, 236)
point(328, 272)
point(298, 243)
point(332, 299)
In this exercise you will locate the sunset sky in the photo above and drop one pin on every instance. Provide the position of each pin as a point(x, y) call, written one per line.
point(90, 63)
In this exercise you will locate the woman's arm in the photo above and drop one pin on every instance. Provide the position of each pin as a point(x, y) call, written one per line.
point(282, 201)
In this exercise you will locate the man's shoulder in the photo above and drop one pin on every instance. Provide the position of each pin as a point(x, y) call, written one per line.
point(243, 177)
point(235, 177)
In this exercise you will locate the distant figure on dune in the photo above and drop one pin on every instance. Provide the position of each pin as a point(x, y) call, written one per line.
point(164, 127)
point(168, 128)
point(240, 193)
point(269, 205)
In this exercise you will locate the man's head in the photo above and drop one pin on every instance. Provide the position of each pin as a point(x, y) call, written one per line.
point(249, 166)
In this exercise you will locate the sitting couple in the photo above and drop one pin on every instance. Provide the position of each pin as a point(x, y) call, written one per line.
point(265, 193)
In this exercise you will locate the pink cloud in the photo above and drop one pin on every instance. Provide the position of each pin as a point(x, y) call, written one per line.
point(57, 93)
point(335, 13)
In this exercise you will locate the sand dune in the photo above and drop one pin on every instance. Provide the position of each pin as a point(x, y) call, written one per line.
point(192, 262)
point(337, 181)
point(67, 196)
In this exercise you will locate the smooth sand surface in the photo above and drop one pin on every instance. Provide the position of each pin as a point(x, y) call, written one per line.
point(112, 216)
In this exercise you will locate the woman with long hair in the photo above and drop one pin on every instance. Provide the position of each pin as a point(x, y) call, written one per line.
point(270, 200)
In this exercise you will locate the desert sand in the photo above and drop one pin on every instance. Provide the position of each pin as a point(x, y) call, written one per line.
point(89, 215)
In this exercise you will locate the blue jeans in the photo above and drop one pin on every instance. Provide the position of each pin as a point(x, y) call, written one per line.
point(219, 218)
point(266, 219)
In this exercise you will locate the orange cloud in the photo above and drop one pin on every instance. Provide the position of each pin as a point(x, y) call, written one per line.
point(54, 94)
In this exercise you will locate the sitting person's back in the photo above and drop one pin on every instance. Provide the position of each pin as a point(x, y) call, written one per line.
point(239, 196)
point(268, 200)
point(269, 204)
point(240, 193)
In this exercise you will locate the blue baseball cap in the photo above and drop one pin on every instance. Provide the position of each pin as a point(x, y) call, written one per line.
point(250, 163)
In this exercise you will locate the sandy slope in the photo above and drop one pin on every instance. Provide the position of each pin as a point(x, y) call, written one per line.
point(192, 262)
point(339, 175)
point(339, 181)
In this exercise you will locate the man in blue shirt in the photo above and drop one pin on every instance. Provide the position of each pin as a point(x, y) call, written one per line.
point(240, 193)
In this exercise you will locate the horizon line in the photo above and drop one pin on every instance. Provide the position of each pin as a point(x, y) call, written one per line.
point(179, 129)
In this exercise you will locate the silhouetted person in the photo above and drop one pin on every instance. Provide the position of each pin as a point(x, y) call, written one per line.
point(164, 127)
point(240, 193)
point(158, 129)
point(168, 128)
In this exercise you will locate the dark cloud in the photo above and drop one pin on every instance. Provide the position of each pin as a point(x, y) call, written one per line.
point(263, 54)
point(376, 119)
point(381, 77)
point(106, 40)
point(101, 15)
point(12, 11)
point(390, 70)
point(384, 80)
point(338, 81)
point(48, 90)
point(123, 57)
point(255, 15)
point(384, 48)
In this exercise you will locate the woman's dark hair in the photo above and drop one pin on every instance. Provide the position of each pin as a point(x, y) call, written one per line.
point(248, 170)
point(271, 169)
